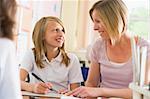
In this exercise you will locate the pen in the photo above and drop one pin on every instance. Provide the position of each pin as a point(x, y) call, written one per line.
point(43, 81)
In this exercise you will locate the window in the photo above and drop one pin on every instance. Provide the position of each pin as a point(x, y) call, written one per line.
point(139, 17)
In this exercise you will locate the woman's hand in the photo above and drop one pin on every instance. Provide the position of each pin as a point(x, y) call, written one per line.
point(84, 92)
point(41, 87)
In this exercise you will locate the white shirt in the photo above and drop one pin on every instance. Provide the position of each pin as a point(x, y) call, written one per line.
point(55, 72)
point(9, 71)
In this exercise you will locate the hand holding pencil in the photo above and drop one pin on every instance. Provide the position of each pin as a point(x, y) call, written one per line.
point(42, 87)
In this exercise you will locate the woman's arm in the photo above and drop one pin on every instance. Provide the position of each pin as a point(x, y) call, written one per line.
point(91, 92)
point(93, 75)
point(91, 89)
point(125, 93)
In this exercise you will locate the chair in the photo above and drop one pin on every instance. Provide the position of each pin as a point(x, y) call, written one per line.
point(84, 70)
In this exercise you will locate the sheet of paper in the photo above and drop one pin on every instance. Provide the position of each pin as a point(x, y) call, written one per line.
point(68, 97)
point(50, 94)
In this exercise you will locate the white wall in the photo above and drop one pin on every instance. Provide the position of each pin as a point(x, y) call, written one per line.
point(69, 18)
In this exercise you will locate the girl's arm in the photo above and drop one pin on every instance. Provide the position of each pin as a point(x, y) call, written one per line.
point(74, 86)
point(36, 87)
point(24, 85)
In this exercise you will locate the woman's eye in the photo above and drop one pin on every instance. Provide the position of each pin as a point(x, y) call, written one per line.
point(97, 21)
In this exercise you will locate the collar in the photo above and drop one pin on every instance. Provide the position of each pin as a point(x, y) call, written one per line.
point(57, 58)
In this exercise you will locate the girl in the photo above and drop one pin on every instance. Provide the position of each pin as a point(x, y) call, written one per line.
point(49, 61)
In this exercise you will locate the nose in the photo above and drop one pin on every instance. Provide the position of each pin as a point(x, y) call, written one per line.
point(61, 33)
point(95, 27)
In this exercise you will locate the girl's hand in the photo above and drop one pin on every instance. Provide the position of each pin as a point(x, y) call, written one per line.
point(84, 92)
point(41, 87)
point(63, 91)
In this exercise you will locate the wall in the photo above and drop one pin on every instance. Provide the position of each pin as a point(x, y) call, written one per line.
point(79, 29)
point(68, 16)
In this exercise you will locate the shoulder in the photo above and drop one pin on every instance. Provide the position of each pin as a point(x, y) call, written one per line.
point(72, 56)
point(99, 41)
point(4, 42)
point(98, 44)
point(74, 61)
point(29, 51)
point(6, 45)
point(29, 54)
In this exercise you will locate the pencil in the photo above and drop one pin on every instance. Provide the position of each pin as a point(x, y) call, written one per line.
point(43, 82)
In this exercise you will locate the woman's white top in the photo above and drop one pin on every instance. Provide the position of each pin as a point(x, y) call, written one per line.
point(9, 71)
point(55, 71)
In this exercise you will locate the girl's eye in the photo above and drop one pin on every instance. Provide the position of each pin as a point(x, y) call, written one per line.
point(58, 30)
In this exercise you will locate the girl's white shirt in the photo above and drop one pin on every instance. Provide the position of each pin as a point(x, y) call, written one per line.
point(9, 71)
point(55, 72)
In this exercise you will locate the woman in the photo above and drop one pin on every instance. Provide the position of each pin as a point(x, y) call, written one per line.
point(111, 61)
point(49, 61)
point(9, 70)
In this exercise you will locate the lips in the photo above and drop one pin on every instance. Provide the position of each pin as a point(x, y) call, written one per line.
point(100, 32)
point(60, 40)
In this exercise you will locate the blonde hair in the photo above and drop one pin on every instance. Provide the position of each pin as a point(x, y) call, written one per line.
point(40, 48)
point(114, 16)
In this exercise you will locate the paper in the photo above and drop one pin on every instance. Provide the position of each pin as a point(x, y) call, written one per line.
point(68, 97)
point(50, 94)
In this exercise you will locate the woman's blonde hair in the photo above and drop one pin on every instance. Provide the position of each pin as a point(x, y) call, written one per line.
point(114, 16)
point(40, 48)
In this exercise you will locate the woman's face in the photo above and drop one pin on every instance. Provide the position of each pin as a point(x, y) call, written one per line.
point(54, 35)
point(99, 25)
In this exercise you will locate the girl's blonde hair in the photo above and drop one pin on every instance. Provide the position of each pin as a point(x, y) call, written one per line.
point(40, 48)
point(114, 16)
